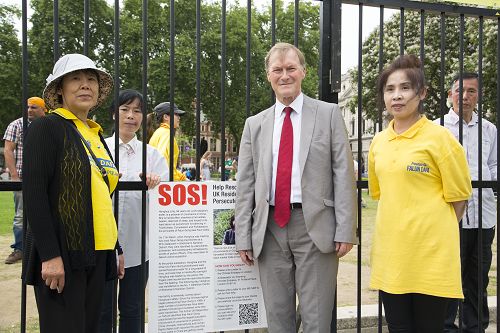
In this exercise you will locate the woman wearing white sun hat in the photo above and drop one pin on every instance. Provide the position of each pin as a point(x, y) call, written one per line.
point(72, 233)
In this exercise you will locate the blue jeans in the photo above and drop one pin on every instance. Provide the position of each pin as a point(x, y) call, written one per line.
point(17, 223)
point(129, 302)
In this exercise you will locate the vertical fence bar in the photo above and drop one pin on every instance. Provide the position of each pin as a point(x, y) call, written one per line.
point(248, 59)
point(480, 176)
point(498, 165)
point(273, 22)
point(380, 124)
point(223, 92)
point(198, 86)
point(402, 31)
point(24, 82)
point(460, 128)
point(172, 90)
point(360, 152)
point(461, 83)
point(86, 13)
point(442, 28)
point(422, 39)
point(296, 24)
point(335, 39)
point(273, 34)
point(145, 54)
point(56, 29)
point(380, 57)
point(116, 195)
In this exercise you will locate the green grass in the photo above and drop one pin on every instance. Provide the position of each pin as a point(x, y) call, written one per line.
point(367, 226)
point(31, 327)
point(6, 212)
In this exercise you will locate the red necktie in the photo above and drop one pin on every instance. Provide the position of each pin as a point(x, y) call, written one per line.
point(284, 173)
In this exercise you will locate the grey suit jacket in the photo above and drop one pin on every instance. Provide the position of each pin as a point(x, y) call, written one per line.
point(327, 183)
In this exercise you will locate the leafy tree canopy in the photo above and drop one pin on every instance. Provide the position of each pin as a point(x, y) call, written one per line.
point(101, 49)
point(432, 59)
point(10, 75)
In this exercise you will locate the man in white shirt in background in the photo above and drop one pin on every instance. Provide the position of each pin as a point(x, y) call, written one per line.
point(469, 253)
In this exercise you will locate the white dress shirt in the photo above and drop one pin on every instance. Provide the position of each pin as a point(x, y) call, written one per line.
point(130, 202)
point(489, 166)
point(296, 118)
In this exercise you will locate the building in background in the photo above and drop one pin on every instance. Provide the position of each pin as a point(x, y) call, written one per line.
point(347, 93)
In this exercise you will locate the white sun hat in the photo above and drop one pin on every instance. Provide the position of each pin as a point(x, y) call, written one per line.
point(71, 63)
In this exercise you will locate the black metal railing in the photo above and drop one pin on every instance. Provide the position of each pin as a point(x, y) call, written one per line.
point(329, 84)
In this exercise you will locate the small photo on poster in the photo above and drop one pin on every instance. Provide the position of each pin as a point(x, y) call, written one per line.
point(224, 233)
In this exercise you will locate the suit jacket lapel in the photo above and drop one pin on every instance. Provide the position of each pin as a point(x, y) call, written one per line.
point(309, 110)
point(267, 128)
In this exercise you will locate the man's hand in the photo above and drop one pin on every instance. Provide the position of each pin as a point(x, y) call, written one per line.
point(53, 274)
point(342, 248)
point(246, 256)
point(121, 266)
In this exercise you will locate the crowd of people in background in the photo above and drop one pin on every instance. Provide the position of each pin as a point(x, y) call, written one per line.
point(295, 207)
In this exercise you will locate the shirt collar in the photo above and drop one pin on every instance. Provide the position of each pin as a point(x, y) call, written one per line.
point(67, 114)
point(296, 105)
point(454, 118)
point(410, 132)
point(133, 144)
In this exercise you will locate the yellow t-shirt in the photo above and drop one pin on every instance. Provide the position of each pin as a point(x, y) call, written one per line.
point(415, 176)
point(161, 141)
point(105, 231)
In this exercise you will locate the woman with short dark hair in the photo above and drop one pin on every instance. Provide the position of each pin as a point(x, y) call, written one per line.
point(129, 112)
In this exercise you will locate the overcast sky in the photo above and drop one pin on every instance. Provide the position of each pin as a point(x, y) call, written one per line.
point(349, 26)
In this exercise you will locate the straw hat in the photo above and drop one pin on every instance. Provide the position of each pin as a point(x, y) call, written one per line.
point(71, 63)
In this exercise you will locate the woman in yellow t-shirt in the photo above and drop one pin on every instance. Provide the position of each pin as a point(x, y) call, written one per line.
point(72, 234)
point(419, 174)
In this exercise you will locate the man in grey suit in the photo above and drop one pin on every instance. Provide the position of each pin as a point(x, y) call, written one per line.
point(295, 206)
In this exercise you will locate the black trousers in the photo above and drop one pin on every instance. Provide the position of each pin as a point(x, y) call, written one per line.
point(78, 307)
point(414, 313)
point(471, 264)
point(129, 301)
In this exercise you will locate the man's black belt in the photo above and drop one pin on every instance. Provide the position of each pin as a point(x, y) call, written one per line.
point(295, 205)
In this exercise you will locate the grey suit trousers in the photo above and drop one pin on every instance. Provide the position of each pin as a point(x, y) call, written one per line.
point(291, 264)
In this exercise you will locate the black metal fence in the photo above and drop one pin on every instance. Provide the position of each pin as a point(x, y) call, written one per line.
point(329, 77)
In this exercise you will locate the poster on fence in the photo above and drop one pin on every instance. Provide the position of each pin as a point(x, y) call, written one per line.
point(197, 282)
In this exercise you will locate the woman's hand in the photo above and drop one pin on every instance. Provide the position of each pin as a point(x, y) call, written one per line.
point(121, 266)
point(152, 180)
point(53, 273)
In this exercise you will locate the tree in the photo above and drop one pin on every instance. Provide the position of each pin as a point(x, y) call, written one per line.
point(432, 59)
point(71, 40)
point(158, 51)
point(10, 58)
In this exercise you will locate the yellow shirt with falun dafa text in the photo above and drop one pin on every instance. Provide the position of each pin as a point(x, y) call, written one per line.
point(105, 231)
point(416, 175)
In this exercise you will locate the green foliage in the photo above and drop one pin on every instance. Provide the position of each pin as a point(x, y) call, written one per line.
point(101, 50)
point(221, 224)
point(432, 59)
point(10, 75)
point(71, 40)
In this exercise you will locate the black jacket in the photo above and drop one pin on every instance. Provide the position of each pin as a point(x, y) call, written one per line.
point(57, 199)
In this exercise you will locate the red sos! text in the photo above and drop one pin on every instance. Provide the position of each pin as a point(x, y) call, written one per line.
point(180, 194)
